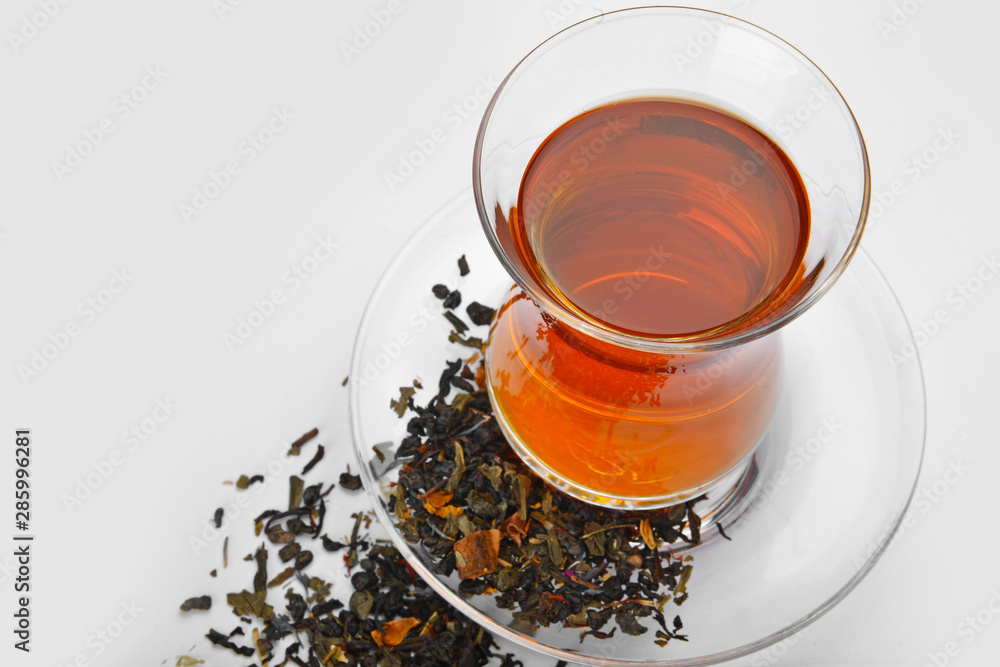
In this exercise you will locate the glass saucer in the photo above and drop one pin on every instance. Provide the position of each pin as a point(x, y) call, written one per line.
point(817, 507)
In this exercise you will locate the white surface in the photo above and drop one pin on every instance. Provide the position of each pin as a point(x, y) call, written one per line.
point(162, 336)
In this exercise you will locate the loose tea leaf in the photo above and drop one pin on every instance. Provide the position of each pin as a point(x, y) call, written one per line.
point(463, 266)
point(400, 404)
point(479, 314)
point(202, 603)
point(296, 447)
point(441, 291)
point(220, 639)
point(349, 481)
point(295, 487)
point(456, 321)
point(246, 603)
point(320, 451)
point(473, 506)
point(454, 300)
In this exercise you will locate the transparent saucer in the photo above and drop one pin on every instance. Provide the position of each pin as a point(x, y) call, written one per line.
point(816, 507)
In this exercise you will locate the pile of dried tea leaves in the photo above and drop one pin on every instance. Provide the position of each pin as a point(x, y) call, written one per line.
point(466, 503)
point(392, 618)
point(471, 507)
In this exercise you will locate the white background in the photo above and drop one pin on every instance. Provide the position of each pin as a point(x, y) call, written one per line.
point(161, 337)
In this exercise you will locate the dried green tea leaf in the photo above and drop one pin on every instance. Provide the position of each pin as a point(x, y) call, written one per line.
point(246, 603)
point(492, 473)
point(456, 476)
point(400, 404)
point(475, 343)
point(461, 401)
point(361, 603)
point(243, 482)
point(295, 486)
point(460, 326)
point(202, 603)
point(188, 661)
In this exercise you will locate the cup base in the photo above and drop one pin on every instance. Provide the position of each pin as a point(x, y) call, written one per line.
point(724, 497)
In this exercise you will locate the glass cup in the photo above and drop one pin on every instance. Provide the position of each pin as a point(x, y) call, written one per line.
point(628, 418)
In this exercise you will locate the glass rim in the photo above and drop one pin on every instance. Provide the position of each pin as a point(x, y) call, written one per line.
point(691, 343)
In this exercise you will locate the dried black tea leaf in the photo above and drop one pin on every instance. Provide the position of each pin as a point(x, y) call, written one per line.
point(320, 452)
point(219, 513)
point(220, 639)
point(454, 300)
point(260, 579)
point(463, 266)
point(479, 314)
point(441, 291)
point(201, 603)
point(349, 481)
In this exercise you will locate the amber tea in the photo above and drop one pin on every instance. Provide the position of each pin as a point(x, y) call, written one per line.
point(663, 220)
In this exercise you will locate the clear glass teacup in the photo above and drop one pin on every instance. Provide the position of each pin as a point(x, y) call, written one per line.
point(606, 400)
